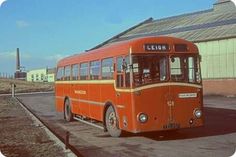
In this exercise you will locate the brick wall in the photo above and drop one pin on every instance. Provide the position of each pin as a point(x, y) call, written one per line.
point(226, 87)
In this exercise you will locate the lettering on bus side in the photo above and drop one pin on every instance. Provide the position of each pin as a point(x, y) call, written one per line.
point(156, 47)
point(80, 92)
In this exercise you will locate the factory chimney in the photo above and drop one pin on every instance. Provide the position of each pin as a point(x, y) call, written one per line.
point(17, 59)
point(19, 74)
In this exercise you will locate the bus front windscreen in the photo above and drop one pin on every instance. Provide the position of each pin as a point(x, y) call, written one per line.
point(149, 69)
point(185, 69)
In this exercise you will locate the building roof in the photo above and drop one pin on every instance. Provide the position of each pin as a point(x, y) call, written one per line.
point(216, 23)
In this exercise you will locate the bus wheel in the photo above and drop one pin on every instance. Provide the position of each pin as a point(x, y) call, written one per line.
point(112, 124)
point(67, 111)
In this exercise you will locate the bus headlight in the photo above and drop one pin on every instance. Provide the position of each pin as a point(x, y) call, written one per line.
point(142, 117)
point(197, 113)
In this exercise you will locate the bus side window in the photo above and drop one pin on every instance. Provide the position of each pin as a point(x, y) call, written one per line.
point(67, 73)
point(107, 68)
point(127, 72)
point(75, 72)
point(120, 78)
point(60, 73)
point(94, 70)
point(83, 71)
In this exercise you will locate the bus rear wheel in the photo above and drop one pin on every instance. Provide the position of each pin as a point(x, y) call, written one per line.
point(112, 124)
point(67, 111)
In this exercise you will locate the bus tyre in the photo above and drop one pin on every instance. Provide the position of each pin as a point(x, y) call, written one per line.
point(67, 111)
point(112, 123)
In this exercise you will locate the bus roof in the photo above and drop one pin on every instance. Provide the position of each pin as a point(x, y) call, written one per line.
point(123, 48)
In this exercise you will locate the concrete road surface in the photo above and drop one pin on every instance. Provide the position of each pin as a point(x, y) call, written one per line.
point(216, 139)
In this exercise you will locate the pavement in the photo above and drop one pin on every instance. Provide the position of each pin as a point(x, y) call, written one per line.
point(217, 138)
point(220, 102)
point(21, 136)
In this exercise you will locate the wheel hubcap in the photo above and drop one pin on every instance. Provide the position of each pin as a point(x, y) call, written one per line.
point(67, 108)
point(112, 120)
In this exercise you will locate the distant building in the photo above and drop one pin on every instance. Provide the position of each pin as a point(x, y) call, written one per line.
point(212, 30)
point(41, 75)
point(19, 74)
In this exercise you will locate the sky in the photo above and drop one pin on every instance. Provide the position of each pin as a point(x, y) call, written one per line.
point(48, 30)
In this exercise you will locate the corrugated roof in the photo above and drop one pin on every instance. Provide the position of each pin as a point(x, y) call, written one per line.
point(212, 24)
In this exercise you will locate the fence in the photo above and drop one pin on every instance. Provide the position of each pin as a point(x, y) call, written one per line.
point(6, 75)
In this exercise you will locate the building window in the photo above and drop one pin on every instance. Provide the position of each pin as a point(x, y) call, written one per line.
point(94, 70)
point(37, 77)
point(84, 71)
point(42, 77)
point(107, 68)
point(75, 72)
point(32, 77)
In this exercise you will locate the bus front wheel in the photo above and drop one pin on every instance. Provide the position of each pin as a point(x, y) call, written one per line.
point(67, 111)
point(112, 124)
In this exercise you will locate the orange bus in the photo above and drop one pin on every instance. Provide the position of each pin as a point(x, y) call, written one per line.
point(139, 85)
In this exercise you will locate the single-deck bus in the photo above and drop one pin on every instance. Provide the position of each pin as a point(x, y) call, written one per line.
point(139, 85)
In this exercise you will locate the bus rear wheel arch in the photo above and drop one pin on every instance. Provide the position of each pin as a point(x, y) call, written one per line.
point(68, 115)
point(112, 122)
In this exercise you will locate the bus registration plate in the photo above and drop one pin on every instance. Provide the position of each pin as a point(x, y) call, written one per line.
point(171, 126)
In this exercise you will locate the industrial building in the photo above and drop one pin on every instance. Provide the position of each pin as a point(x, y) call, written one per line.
point(213, 31)
point(20, 74)
point(41, 75)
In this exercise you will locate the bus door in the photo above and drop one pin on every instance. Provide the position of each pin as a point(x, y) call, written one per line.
point(122, 84)
point(123, 73)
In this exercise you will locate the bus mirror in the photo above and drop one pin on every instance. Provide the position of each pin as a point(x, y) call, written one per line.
point(172, 59)
point(114, 67)
point(131, 66)
point(124, 66)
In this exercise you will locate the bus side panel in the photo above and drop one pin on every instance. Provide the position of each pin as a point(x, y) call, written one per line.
point(59, 97)
point(83, 99)
point(95, 108)
point(108, 94)
point(75, 99)
point(124, 109)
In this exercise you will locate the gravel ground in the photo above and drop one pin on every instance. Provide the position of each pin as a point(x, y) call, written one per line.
point(19, 136)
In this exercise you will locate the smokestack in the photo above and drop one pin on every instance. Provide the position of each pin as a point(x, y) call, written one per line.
point(17, 59)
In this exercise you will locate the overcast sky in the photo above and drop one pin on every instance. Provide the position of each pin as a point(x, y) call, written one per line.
point(46, 30)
